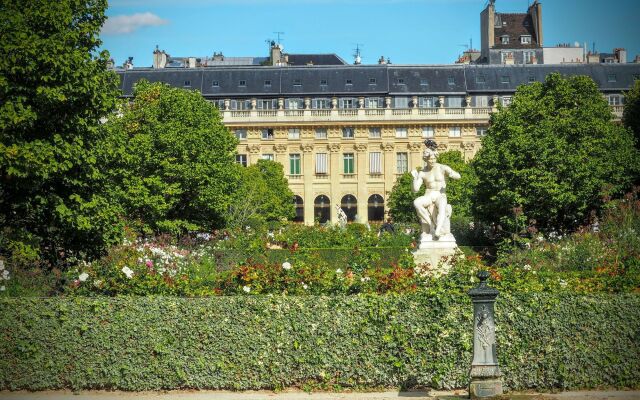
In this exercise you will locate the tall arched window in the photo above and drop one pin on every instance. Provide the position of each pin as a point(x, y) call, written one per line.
point(322, 209)
point(376, 207)
point(299, 204)
point(349, 205)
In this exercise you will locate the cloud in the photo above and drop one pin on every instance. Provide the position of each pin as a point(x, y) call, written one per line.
point(122, 24)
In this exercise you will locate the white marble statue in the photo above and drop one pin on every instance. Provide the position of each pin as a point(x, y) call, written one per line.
point(432, 208)
point(342, 217)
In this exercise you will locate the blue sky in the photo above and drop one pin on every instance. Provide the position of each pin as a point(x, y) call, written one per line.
point(407, 31)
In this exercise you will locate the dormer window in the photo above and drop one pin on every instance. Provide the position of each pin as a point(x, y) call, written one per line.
point(400, 81)
point(504, 39)
point(323, 82)
point(267, 83)
point(525, 39)
point(348, 82)
point(242, 83)
point(372, 81)
point(187, 83)
point(297, 82)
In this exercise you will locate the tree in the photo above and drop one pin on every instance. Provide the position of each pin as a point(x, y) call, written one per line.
point(263, 196)
point(54, 88)
point(458, 191)
point(631, 115)
point(169, 161)
point(552, 156)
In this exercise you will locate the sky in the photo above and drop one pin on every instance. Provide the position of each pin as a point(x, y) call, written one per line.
point(406, 31)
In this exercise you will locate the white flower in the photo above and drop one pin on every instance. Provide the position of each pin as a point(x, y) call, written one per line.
point(286, 265)
point(127, 271)
point(246, 289)
point(97, 282)
point(5, 275)
point(527, 245)
point(304, 286)
point(527, 267)
point(338, 271)
point(83, 277)
point(365, 279)
point(562, 282)
point(2, 288)
point(1, 265)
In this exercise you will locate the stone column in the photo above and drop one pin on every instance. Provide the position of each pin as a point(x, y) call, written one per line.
point(308, 167)
point(335, 171)
point(485, 374)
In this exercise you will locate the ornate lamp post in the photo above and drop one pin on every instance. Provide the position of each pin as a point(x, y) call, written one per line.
point(485, 374)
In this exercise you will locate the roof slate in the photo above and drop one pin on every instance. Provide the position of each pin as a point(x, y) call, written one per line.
point(514, 26)
point(379, 80)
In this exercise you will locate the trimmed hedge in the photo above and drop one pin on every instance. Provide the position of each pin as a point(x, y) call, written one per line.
point(268, 342)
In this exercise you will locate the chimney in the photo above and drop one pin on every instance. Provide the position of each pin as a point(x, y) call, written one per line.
point(487, 30)
point(191, 62)
point(382, 61)
point(128, 64)
point(593, 58)
point(621, 55)
point(159, 58)
point(275, 55)
point(535, 10)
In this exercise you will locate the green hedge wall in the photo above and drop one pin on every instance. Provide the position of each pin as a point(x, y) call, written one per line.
point(255, 342)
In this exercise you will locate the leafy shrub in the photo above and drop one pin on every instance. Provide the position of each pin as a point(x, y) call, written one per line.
point(545, 341)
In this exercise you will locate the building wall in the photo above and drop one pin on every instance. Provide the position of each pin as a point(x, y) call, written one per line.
point(561, 55)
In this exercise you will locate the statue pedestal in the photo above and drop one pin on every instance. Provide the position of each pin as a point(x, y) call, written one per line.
point(432, 251)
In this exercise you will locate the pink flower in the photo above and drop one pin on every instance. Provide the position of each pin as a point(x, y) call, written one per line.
point(149, 264)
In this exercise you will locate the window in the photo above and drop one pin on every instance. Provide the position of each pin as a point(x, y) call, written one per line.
point(322, 209)
point(299, 204)
point(297, 82)
point(424, 82)
point(241, 134)
point(454, 131)
point(349, 205)
point(187, 83)
point(373, 102)
point(480, 79)
point(506, 100)
point(241, 159)
point(269, 157)
point(321, 133)
point(320, 103)
point(348, 82)
point(266, 104)
point(219, 103)
point(323, 82)
point(481, 131)
point(348, 133)
point(451, 81)
point(528, 56)
point(453, 101)
point(348, 102)
point(426, 102)
point(293, 104)
point(375, 132)
point(372, 81)
point(375, 162)
point(506, 55)
point(348, 163)
point(531, 79)
point(376, 207)
point(505, 79)
point(481, 101)
point(614, 100)
point(427, 132)
point(525, 39)
point(294, 164)
point(321, 163)
point(267, 83)
point(400, 81)
point(402, 162)
point(215, 84)
point(400, 102)
point(294, 133)
point(242, 83)
point(267, 134)
point(401, 132)
point(611, 78)
point(504, 39)
point(240, 104)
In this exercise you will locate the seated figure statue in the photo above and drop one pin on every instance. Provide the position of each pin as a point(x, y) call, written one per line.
point(432, 207)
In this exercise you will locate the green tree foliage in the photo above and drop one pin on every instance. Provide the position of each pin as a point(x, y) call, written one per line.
point(458, 191)
point(555, 152)
point(169, 161)
point(54, 88)
point(264, 195)
point(631, 115)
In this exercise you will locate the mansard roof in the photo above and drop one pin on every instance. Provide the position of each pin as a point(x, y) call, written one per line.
point(372, 80)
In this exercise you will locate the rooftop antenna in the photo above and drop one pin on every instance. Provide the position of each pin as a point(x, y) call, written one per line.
point(278, 35)
point(356, 55)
